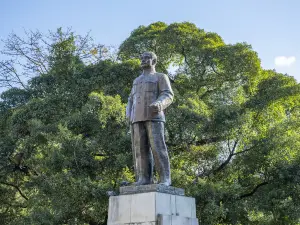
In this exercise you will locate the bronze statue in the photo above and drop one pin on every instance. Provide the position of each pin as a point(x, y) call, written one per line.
point(150, 95)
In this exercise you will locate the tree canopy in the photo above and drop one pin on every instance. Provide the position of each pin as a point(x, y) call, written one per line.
point(233, 130)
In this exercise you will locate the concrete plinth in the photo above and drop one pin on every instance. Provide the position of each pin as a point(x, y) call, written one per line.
point(151, 205)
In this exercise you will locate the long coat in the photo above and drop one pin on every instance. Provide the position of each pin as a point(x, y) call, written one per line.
point(148, 89)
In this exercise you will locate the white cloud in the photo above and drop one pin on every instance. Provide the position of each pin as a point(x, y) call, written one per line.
point(284, 60)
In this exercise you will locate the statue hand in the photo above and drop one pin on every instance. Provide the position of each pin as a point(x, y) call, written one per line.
point(128, 123)
point(155, 106)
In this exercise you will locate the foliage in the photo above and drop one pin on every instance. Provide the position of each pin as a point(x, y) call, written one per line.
point(232, 130)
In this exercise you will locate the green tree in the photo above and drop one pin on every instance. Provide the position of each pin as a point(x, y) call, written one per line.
point(232, 131)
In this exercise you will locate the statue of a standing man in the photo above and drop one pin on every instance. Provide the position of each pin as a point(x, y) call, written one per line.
point(150, 95)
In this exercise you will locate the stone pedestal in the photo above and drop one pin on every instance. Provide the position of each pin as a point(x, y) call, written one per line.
point(151, 205)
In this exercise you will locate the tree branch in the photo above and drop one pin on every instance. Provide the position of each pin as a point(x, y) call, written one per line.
point(9, 68)
point(212, 67)
point(246, 150)
point(254, 190)
point(16, 187)
point(232, 153)
point(207, 141)
point(222, 166)
point(184, 55)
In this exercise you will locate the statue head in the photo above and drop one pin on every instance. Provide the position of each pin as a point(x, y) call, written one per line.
point(148, 59)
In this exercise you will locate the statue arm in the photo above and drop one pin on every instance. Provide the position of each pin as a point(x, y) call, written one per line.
point(166, 94)
point(129, 105)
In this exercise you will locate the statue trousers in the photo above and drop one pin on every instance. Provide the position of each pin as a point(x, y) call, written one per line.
point(148, 143)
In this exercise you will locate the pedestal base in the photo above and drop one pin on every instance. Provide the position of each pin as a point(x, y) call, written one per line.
point(151, 207)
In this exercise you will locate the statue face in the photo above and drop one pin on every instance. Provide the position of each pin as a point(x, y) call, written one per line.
point(147, 60)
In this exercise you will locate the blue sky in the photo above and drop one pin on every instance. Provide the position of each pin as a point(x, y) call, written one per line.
point(272, 27)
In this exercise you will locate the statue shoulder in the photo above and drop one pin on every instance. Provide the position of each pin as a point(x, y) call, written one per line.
point(162, 76)
point(136, 79)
